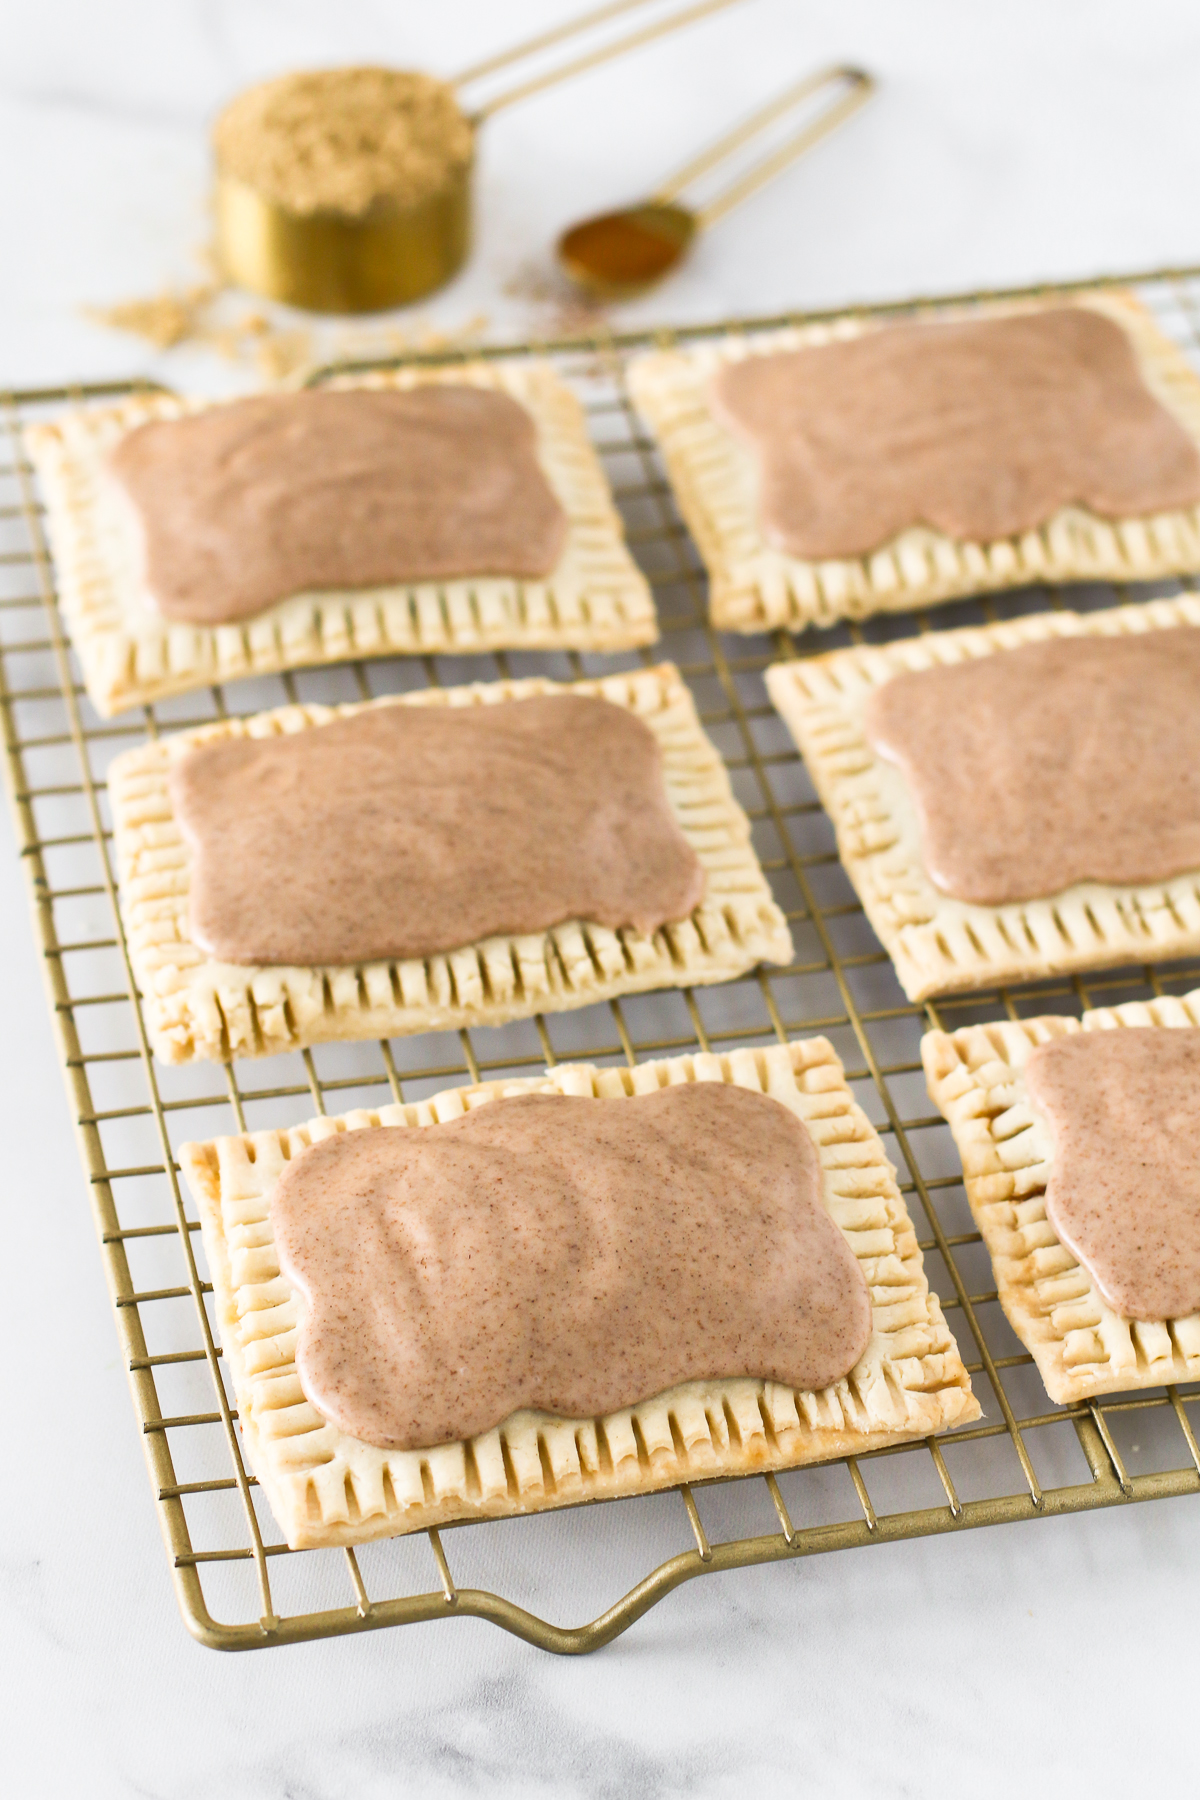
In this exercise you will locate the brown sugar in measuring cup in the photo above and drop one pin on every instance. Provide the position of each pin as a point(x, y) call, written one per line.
point(343, 190)
point(349, 190)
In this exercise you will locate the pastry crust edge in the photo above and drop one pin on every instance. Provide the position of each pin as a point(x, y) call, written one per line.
point(196, 1007)
point(596, 599)
point(938, 944)
point(327, 1488)
point(1081, 1347)
point(756, 587)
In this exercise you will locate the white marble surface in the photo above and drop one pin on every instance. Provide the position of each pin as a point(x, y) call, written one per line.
point(1060, 1658)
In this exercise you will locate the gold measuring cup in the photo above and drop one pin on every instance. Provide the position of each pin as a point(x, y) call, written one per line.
point(331, 261)
point(618, 255)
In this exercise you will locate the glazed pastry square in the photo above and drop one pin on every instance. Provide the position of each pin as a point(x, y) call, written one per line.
point(595, 599)
point(1081, 1347)
point(197, 1007)
point(756, 587)
point(326, 1487)
point(937, 943)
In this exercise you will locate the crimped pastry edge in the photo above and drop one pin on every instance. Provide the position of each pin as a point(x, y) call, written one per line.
point(196, 1007)
point(595, 599)
point(756, 587)
point(940, 945)
point(1082, 1348)
point(325, 1487)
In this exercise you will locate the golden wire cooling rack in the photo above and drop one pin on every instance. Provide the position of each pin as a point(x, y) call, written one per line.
point(239, 1587)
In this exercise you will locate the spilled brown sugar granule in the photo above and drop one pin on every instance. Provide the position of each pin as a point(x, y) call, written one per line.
point(165, 319)
point(191, 317)
point(201, 317)
point(340, 139)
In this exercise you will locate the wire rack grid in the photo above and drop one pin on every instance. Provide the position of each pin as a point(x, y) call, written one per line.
point(238, 1586)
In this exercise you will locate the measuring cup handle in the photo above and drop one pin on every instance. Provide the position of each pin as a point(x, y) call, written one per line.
point(859, 87)
point(590, 60)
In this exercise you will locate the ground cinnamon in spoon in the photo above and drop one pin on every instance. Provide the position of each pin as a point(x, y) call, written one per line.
point(341, 139)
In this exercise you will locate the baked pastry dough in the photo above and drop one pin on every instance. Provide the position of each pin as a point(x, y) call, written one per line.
point(195, 1006)
point(595, 599)
point(755, 587)
point(937, 943)
point(326, 1487)
point(1081, 1347)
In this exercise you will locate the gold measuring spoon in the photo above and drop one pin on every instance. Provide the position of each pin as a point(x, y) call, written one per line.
point(338, 262)
point(618, 255)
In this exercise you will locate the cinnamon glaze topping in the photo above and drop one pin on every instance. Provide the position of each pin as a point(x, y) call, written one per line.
point(572, 1255)
point(1076, 759)
point(1124, 1190)
point(981, 430)
point(402, 831)
point(244, 504)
